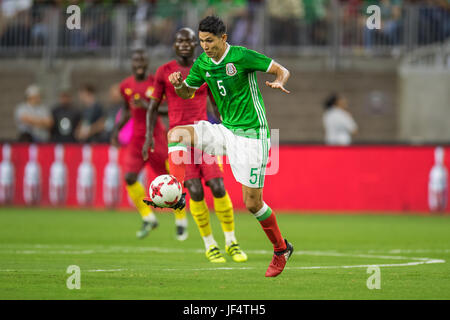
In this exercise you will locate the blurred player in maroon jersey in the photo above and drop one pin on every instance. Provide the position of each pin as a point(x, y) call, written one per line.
point(136, 91)
point(182, 112)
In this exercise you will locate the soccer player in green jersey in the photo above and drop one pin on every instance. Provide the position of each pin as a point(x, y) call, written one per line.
point(243, 134)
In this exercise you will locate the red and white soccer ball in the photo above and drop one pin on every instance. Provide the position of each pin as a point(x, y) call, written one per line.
point(165, 191)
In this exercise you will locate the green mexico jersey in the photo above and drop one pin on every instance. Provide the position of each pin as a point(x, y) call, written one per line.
point(232, 81)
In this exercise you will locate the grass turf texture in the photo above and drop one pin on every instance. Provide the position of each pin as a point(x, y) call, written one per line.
point(37, 246)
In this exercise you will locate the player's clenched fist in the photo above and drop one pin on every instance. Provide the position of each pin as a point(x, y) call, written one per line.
point(176, 79)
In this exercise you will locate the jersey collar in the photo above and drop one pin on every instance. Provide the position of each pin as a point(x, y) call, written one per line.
point(224, 55)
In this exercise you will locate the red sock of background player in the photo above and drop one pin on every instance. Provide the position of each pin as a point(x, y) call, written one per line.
point(177, 161)
point(267, 219)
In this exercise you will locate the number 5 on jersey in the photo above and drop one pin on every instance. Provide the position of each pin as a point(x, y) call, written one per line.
point(222, 90)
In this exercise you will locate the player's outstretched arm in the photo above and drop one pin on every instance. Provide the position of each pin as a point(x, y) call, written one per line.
point(183, 91)
point(282, 75)
point(150, 119)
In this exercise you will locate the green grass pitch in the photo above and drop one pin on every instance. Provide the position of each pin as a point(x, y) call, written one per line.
point(332, 254)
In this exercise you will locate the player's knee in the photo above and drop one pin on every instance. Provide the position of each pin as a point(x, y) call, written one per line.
point(179, 135)
point(195, 189)
point(217, 187)
point(130, 178)
point(175, 135)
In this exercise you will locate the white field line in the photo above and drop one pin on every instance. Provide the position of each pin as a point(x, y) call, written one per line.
point(114, 249)
point(321, 267)
point(105, 270)
point(47, 249)
point(397, 251)
point(132, 248)
point(37, 270)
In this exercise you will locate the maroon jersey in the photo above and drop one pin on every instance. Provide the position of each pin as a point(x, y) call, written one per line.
point(132, 89)
point(180, 111)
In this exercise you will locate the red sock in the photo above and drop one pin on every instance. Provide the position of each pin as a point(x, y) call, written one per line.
point(270, 227)
point(177, 161)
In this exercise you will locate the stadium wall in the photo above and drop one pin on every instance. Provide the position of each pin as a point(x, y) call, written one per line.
point(357, 178)
point(424, 103)
point(372, 94)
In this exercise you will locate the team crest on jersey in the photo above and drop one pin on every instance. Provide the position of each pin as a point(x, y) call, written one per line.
point(128, 91)
point(149, 92)
point(231, 69)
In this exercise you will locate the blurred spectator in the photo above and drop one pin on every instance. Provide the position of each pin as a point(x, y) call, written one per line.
point(232, 12)
point(316, 20)
point(32, 118)
point(352, 21)
point(337, 121)
point(41, 17)
point(17, 30)
point(434, 21)
point(97, 25)
point(114, 106)
point(285, 16)
point(142, 17)
point(247, 28)
point(91, 117)
point(391, 12)
point(10, 8)
point(66, 118)
point(165, 22)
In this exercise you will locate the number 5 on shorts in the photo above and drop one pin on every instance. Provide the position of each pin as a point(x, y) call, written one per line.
point(253, 175)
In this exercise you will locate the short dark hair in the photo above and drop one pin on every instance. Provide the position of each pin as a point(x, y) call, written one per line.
point(212, 24)
point(331, 101)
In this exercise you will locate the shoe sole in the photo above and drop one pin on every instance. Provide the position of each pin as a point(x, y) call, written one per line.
point(239, 260)
point(242, 260)
point(214, 261)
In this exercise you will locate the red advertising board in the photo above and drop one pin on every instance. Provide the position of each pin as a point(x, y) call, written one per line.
point(355, 178)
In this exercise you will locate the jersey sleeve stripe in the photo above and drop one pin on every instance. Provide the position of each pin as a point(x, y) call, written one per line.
point(189, 86)
point(258, 107)
point(270, 65)
point(263, 130)
point(255, 99)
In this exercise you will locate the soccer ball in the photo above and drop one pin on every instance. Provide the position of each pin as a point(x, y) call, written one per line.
point(165, 191)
